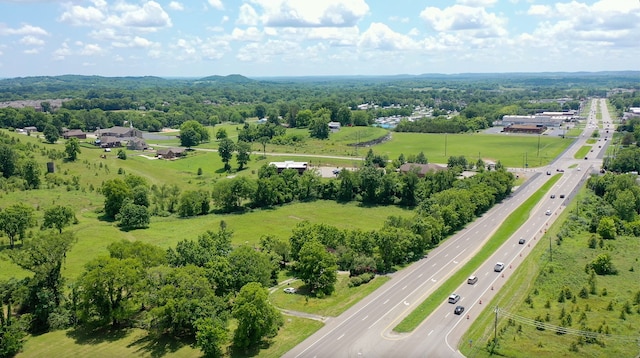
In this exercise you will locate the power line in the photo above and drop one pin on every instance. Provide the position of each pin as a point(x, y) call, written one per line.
point(564, 330)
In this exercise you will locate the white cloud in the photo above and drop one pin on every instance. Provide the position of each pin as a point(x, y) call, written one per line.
point(335, 36)
point(32, 51)
point(62, 52)
point(380, 36)
point(135, 42)
point(477, 3)
point(216, 4)
point(150, 15)
point(31, 41)
point(214, 49)
point(464, 18)
point(606, 23)
point(195, 49)
point(248, 16)
point(23, 30)
point(251, 34)
point(91, 50)
point(176, 6)
point(540, 10)
point(283, 50)
point(304, 13)
point(82, 16)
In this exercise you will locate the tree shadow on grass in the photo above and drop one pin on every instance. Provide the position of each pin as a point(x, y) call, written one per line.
point(159, 346)
point(252, 351)
point(91, 336)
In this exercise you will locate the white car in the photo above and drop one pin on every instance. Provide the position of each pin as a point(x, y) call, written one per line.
point(290, 290)
point(498, 267)
point(454, 298)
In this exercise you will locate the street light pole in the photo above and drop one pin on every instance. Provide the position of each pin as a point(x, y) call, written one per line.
point(445, 145)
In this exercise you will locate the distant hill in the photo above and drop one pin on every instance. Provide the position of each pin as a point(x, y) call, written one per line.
point(226, 79)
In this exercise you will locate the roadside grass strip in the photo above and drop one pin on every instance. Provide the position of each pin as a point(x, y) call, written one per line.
point(504, 232)
point(582, 152)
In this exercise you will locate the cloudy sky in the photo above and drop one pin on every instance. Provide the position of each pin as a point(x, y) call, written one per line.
point(259, 38)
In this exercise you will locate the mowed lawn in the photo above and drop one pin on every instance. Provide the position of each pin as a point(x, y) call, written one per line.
point(511, 150)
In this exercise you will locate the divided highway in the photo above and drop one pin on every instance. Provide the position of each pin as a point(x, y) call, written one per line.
point(365, 330)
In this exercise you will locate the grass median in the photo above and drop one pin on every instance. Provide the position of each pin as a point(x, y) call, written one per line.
point(510, 225)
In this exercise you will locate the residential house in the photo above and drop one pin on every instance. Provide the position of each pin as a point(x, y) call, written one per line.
point(137, 144)
point(74, 133)
point(420, 169)
point(109, 142)
point(170, 153)
point(290, 164)
point(119, 132)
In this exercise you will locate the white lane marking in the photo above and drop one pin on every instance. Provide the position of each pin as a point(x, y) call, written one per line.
point(385, 302)
point(339, 338)
point(420, 275)
point(430, 333)
point(404, 287)
point(365, 317)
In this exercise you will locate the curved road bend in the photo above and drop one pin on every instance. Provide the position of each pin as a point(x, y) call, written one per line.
point(365, 330)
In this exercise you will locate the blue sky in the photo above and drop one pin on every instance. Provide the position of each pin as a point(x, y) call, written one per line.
point(261, 38)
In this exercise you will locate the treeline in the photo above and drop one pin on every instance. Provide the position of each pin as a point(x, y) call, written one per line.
point(457, 124)
point(624, 100)
point(132, 201)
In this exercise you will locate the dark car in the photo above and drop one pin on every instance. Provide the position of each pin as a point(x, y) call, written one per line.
point(458, 310)
point(553, 196)
point(521, 241)
point(561, 196)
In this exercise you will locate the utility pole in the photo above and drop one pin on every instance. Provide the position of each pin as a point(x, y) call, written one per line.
point(495, 329)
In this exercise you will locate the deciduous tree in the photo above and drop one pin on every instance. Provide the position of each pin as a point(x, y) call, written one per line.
point(257, 318)
point(58, 217)
point(15, 220)
point(72, 149)
point(51, 134)
point(107, 290)
point(317, 268)
point(132, 216)
point(225, 150)
point(243, 154)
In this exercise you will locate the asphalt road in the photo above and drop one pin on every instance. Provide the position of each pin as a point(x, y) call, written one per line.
point(365, 330)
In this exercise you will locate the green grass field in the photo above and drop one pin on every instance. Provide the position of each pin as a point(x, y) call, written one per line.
point(333, 305)
point(95, 235)
point(511, 150)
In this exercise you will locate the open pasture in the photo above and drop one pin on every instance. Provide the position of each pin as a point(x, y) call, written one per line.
point(511, 150)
